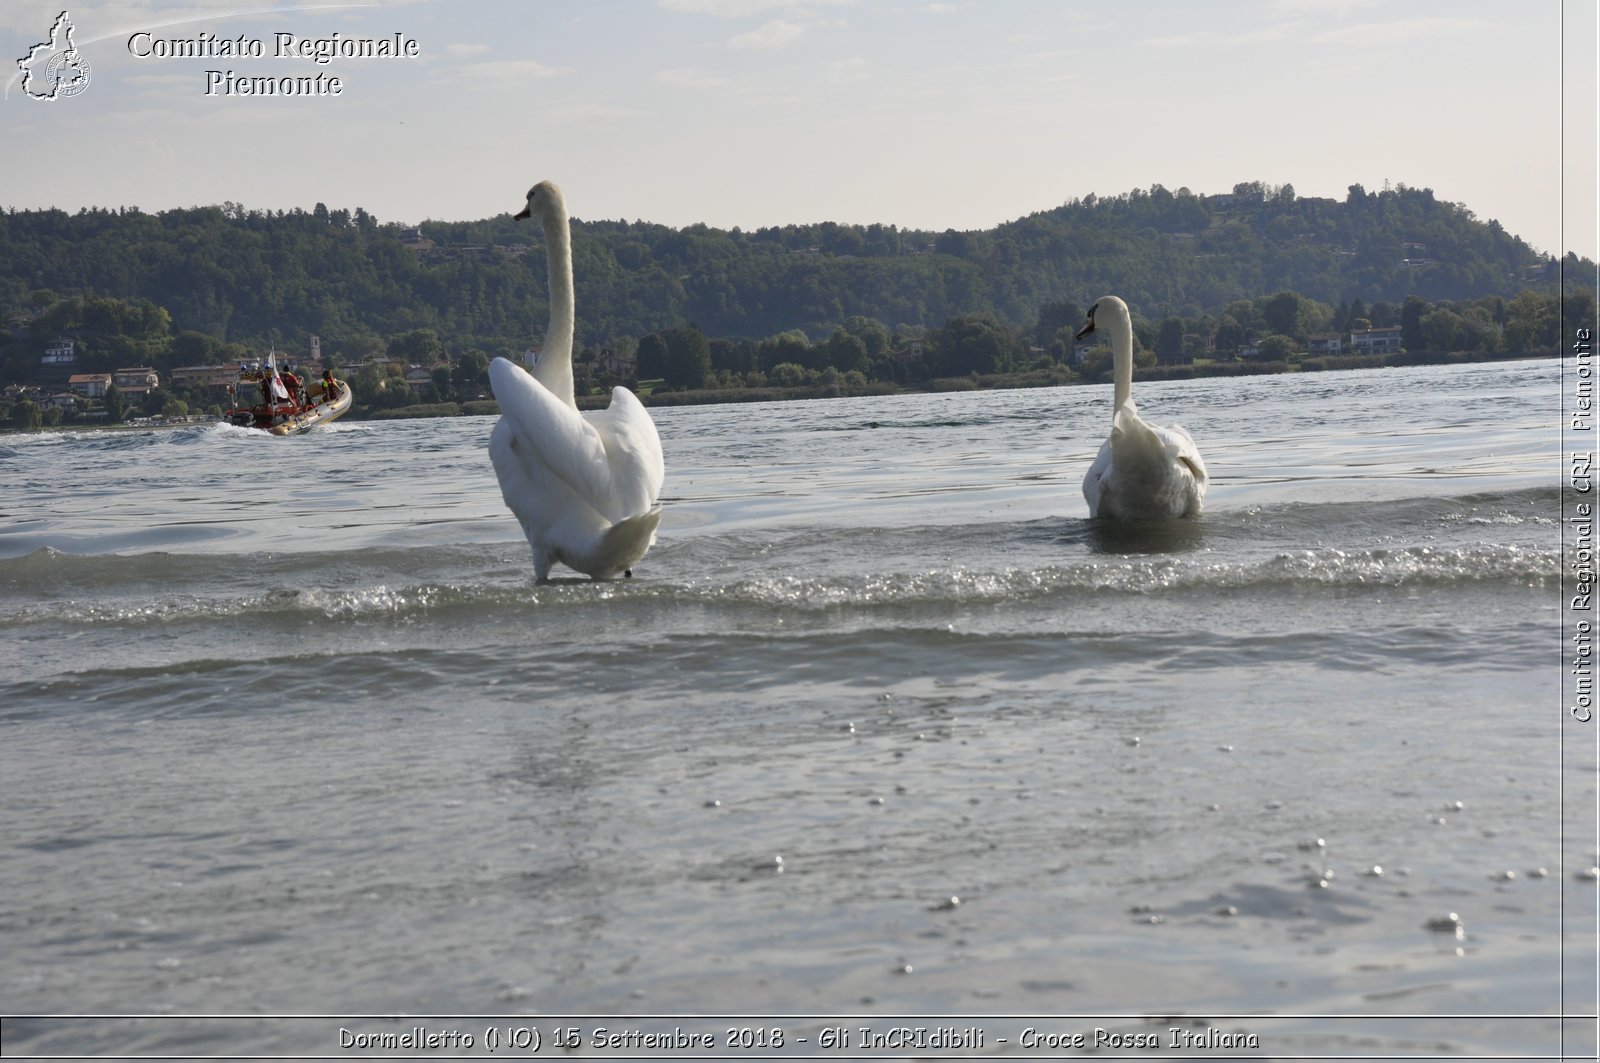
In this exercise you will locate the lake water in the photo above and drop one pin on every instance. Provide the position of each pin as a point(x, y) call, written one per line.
point(288, 730)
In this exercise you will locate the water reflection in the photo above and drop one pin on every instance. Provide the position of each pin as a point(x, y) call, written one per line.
point(1142, 536)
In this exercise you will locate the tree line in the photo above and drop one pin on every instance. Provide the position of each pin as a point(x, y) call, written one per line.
point(783, 306)
point(259, 277)
point(858, 355)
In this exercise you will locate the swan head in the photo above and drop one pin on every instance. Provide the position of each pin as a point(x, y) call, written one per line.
point(1106, 304)
point(544, 200)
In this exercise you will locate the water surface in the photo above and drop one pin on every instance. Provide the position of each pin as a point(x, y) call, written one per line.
point(288, 729)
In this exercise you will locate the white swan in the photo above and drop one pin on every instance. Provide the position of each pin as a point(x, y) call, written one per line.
point(584, 486)
point(1143, 471)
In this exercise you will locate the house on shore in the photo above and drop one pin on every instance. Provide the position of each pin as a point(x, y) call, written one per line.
point(62, 351)
point(89, 385)
point(1375, 340)
point(1325, 343)
point(140, 380)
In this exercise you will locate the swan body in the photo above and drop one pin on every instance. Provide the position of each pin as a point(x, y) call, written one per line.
point(583, 485)
point(1144, 471)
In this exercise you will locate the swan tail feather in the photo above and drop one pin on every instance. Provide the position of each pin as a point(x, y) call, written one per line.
point(622, 545)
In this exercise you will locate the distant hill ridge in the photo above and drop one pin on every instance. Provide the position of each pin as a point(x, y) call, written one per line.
point(257, 276)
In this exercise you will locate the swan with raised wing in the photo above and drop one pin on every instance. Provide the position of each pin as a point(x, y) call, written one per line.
point(584, 486)
point(1144, 471)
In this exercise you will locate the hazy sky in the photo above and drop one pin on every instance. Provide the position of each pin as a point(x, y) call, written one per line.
point(954, 114)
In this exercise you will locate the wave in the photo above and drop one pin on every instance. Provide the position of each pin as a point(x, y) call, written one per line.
point(151, 437)
point(506, 589)
point(1507, 538)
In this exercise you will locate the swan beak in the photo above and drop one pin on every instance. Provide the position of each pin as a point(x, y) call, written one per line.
point(1087, 328)
point(519, 215)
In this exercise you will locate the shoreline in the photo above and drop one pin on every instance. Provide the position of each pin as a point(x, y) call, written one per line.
point(1034, 378)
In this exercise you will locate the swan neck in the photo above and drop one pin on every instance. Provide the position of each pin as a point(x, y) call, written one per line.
point(554, 370)
point(1122, 362)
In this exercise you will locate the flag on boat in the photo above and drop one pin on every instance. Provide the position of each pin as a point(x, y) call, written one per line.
point(278, 389)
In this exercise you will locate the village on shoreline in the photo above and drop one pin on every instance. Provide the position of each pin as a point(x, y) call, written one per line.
point(651, 393)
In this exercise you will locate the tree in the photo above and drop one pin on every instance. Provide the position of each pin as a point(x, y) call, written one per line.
point(26, 416)
point(975, 343)
point(846, 352)
point(792, 347)
point(788, 375)
point(1055, 316)
point(359, 348)
point(1169, 341)
point(1275, 348)
point(113, 401)
point(471, 373)
point(1442, 330)
point(652, 357)
point(1359, 317)
point(954, 243)
point(169, 288)
point(441, 382)
point(416, 347)
point(1411, 312)
point(1060, 347)
point(382, 388)
point(155, 402)
point(1230, 333)
point(688, 358)
point(1097, 361)
point(1287, 313)
point(731, 356)
point(1530, 324)
point(871, 333)
point(196, 348)
point(1341, 318)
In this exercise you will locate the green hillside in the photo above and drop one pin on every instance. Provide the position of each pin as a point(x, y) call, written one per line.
point(256, 277)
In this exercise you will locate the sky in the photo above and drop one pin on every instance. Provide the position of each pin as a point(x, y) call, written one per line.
point(958, 114)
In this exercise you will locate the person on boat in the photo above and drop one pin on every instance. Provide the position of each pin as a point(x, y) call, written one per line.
point(292, 382)
point(330, 386)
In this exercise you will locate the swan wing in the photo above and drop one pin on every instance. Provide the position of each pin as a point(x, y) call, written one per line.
point(540, 428)
point(632, 450)
point(1180, 444)
point(1095, 479)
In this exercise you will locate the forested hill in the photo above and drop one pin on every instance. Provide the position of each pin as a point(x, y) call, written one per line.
point(258, 276)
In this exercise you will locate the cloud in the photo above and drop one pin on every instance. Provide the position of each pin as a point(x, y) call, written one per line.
point(1322, 9)
point(501, 73)
point(1401, 31)
point(161, 81)
point(463, 51)
point(746, 8)
point(1207, 39)
point(846, 71)
point(691, 77)
point(574, 111)
point(1366, 35)
point(779, 33)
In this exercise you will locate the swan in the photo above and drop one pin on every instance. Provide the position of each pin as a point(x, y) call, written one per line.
point(1143, 471)
point(583, 485)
